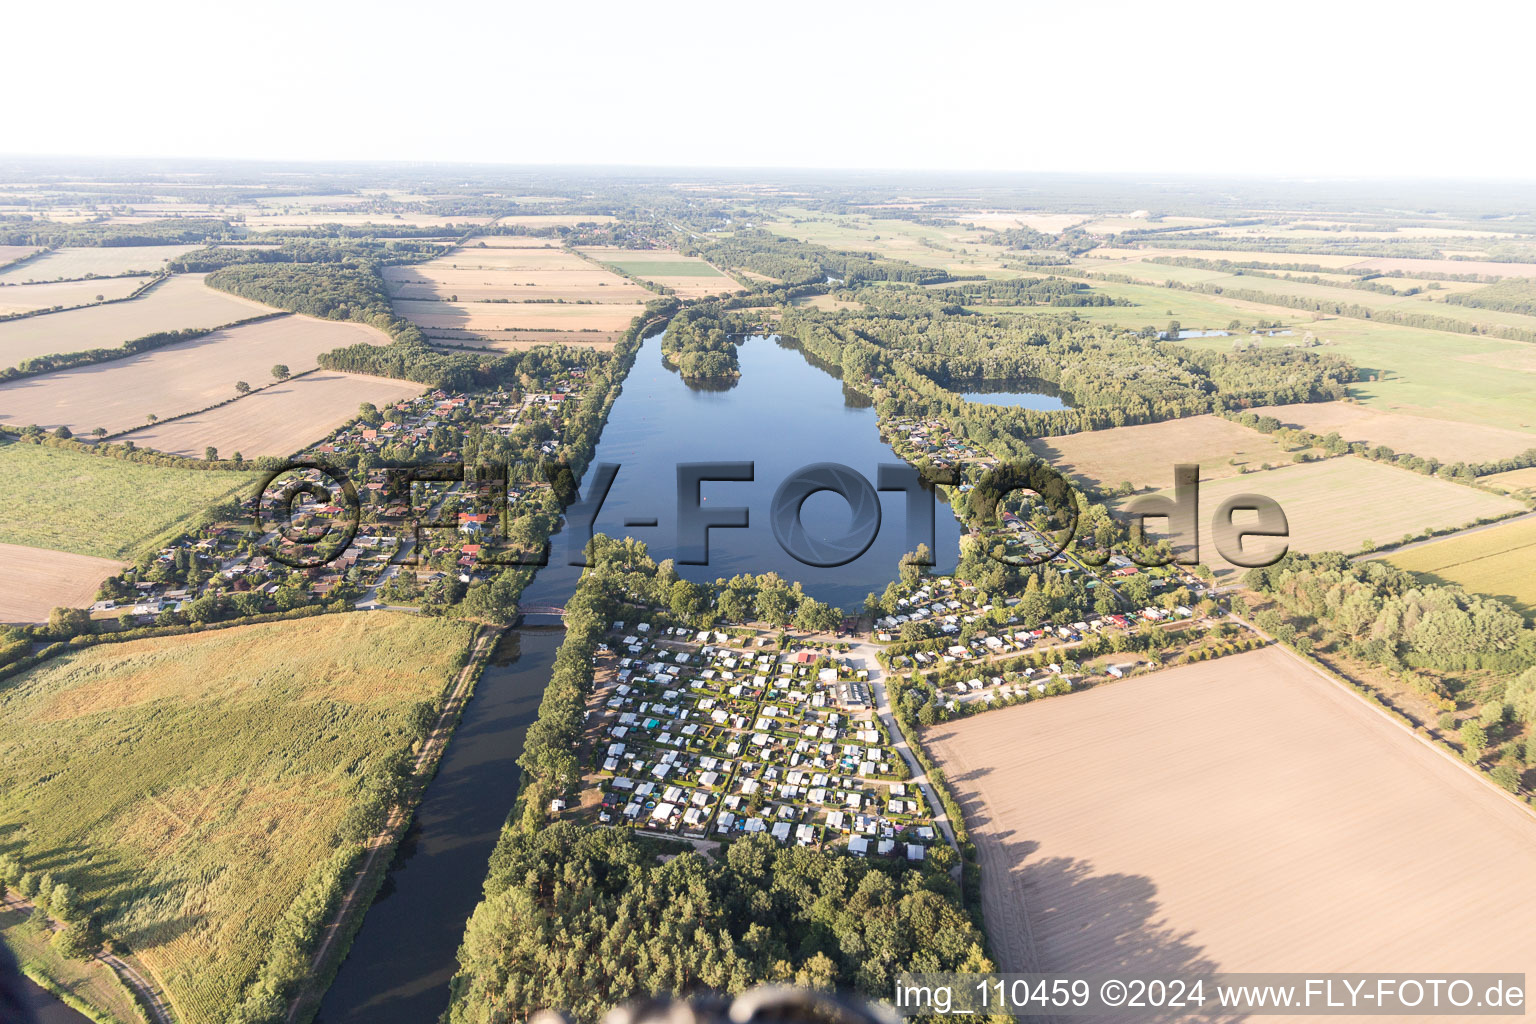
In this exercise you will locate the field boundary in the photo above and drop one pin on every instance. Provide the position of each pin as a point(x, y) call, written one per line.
point(154, 279)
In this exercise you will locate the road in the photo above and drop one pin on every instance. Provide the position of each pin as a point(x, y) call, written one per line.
point(148, 992)
point(1390, 552)
point(865, 652)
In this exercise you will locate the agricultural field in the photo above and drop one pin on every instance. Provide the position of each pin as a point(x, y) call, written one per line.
point(191, 787)
point(264, 221)
point(183, 377)
point(500, 291)
point(687, 276)
point(1499, 561)
point(1341, 504)
point(1424, 373)
point(179, 303)
point(12, 253)
point(25, 298)
point(1245, 814)
point(103, 507)
point(38, 580)
point(1445, 440)
point(278, 420)
point(94, 261)
point(1514, 480)
point(1144, 455)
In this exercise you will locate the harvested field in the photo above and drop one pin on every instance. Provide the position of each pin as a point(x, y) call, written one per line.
point(191, 787)
point(519, 341)
point(100, 261)
point(1145, 455)
point(37, 581)
point(688, 276)
point(1499, 561)
point(1244, 814)
point(1514, 480)
point(1414, 435)
point(279, 420)
point(12, 253)
point(501, 316)
point(24, 298)
point(180, 303)
point(384, 221)
point(188, 375)
point(474, 284)
point(1340, 504)
point(105, 507)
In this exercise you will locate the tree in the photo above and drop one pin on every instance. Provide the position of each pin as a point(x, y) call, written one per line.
point(280, 372)
point(77, 941)
point(211, 454)
point(242, 387)
point(63, 622)
point(99, 432)
point(1474, 741)
point(152, 417)
point(63, 432)
point(1508, 777)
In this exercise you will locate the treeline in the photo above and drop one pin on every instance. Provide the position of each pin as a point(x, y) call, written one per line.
point(1382, 614)
point(305, 251)
point(1424, 321)
point(795, 263)
point(1073, 241)
point(63, 361)
point(172, 231)
point(1049, 291)
point(1513, 295)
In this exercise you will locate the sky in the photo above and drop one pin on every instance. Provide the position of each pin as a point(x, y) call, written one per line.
point(1338, 89)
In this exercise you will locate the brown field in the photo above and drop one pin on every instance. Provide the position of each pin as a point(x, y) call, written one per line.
point(102, 261)
point(273, 221)
point(24, 298)
point(478, 293)
point(120, 394)
point(1146, 454)
point(1236, 256)
point(38, 580)
point(11, 253)
point(279, 420)
point(1340, 504)
point(520, 341)
point(1514, 480)
point(177, 304)
point(1244, 814)
point(1416, 435)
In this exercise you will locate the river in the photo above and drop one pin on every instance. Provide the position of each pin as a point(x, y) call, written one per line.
point(784, 412)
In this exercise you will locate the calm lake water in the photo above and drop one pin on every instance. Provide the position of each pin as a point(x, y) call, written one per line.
point(1026, 393)
point(784, 413)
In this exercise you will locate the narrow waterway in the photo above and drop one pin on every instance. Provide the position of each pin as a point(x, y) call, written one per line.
point(784, 413)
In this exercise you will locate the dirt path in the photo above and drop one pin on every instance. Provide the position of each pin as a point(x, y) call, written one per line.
point(383, 844)
point(149, 993)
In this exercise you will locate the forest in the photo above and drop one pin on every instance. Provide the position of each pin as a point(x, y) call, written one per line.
point(793, 262)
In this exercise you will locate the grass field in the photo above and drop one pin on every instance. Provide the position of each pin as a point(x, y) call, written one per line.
point(38, 580)
point(1145, 454)
point(1500, 561)
point(1244, 814)
point(121, 394)
point(100, 261)
point(91, 505)
point(1339, 504)
point(279, 420)
point(189, 786)
point(182, 302)
point(1416, 435)
point(92, 983)
point(24, 298)
point(688, 276)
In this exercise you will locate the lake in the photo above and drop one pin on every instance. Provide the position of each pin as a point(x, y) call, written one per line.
point(785, 411)
point(1020, 393)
